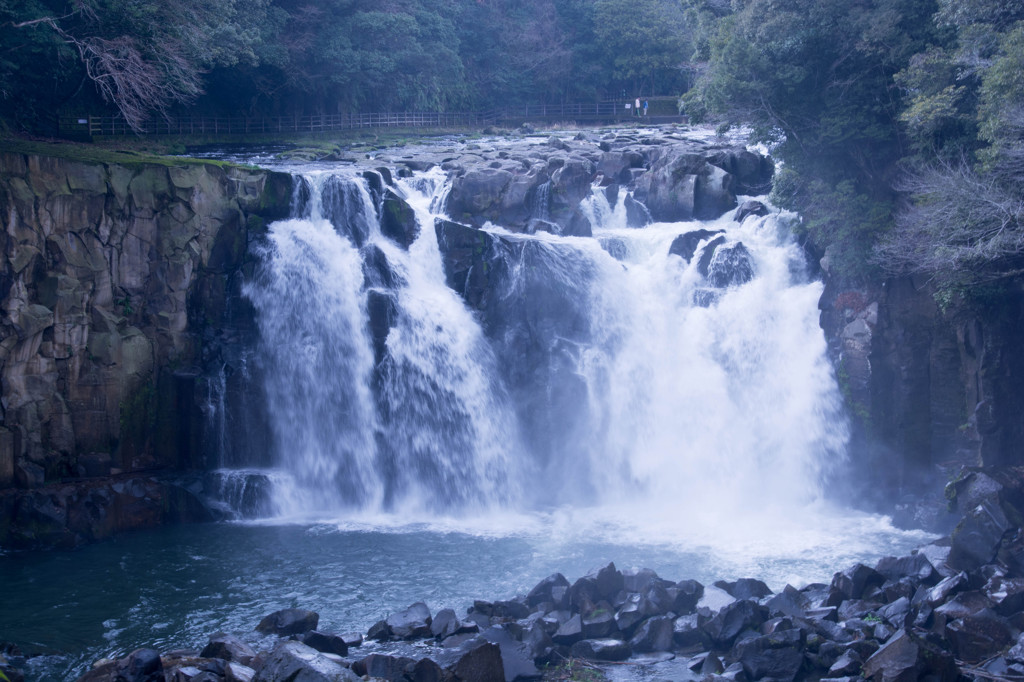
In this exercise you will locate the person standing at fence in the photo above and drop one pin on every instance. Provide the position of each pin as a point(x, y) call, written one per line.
point(645, 107)
point(636, 106)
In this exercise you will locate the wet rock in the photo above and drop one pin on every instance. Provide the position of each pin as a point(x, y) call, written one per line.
point(476, 196)
point(615, 247)
point(789, 602)
point(601, 650)
point(141, 665)
point(237, 672)
point(292, 660)
point(325, 643)
point(851, 583)
point(474, 661)
point(632, 612)
point(914, 566)
point(733, 619)
point(944, 588)
point(538, 642)
point(1006, 595)
point(714, 598)
point(751, 171)
point(229, 648)
point(707, 254)
point(683, 187)
point(685, 245)
point(516, 656)
point(777, 657)
point(600, 622)
point(856, 608)
point(731, 265)
point(352, 639)
point(611, 193)
point(424, 670)
point(412, 623)
point(980, 636)
point(965, 604)
point(744, 588)
point(749, 208)
point(637, 214)
point(978, 536)
point(382, 316)
point(907, 657)
point(468, 255)
point(688, 594)
point(379, 631)
point(569, 632)
point(847, 665)
point(654, 634)
point(383, 667)
point(289, 622)
point(398, 219)
point(896, 612)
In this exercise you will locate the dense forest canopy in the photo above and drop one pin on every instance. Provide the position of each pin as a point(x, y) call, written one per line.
point(900, 122)
point(270, 57)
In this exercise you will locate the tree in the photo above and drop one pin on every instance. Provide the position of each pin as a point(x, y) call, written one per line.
point(815, 78)
point(646, 42)
point(144, 56)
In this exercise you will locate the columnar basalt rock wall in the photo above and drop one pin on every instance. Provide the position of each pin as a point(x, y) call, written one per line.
point(112, 278)
point(931, 388)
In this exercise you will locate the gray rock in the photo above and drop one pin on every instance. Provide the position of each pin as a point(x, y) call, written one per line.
point(601, 650)
point(570, 631)
point(749, 208)
point(733, 619)
point(412, 623)
point(980, 636)
point(292, 660)
point(977, 537)
point(289, 622)
point(237, 672)
point(914, 566)
point(516, 656)
point(905, 657)
point(654, 634)
point(745, 588)
point(326, 643)
point(229, 648)
point(474, 661)
point(852, 582)
point(398, 219)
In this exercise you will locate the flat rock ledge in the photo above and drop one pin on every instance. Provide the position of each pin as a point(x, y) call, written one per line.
point(950, 611)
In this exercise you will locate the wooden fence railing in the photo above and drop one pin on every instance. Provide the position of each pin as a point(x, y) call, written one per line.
point(100, 126)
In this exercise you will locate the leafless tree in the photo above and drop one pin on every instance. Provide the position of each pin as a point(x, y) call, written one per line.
point(959, 225)
point(137, 81)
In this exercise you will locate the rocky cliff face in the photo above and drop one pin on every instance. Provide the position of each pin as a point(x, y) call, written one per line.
point(932, 389)
point(114, 281)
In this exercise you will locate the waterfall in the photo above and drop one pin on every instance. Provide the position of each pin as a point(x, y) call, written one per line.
point(420, 428)
point(605, 371)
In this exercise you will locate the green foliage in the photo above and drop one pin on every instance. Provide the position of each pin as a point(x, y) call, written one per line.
point(647, 41)
point(145, 58)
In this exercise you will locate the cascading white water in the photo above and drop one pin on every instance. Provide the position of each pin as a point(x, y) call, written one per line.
point(597, 379)
point(422, 430)
point(726, 405)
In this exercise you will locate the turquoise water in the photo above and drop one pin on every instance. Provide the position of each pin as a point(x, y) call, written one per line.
point(174, 587)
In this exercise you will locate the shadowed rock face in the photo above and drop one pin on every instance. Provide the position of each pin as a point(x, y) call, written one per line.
point(116, 286)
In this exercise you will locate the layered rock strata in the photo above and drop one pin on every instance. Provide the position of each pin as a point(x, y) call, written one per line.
point(114, 281)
